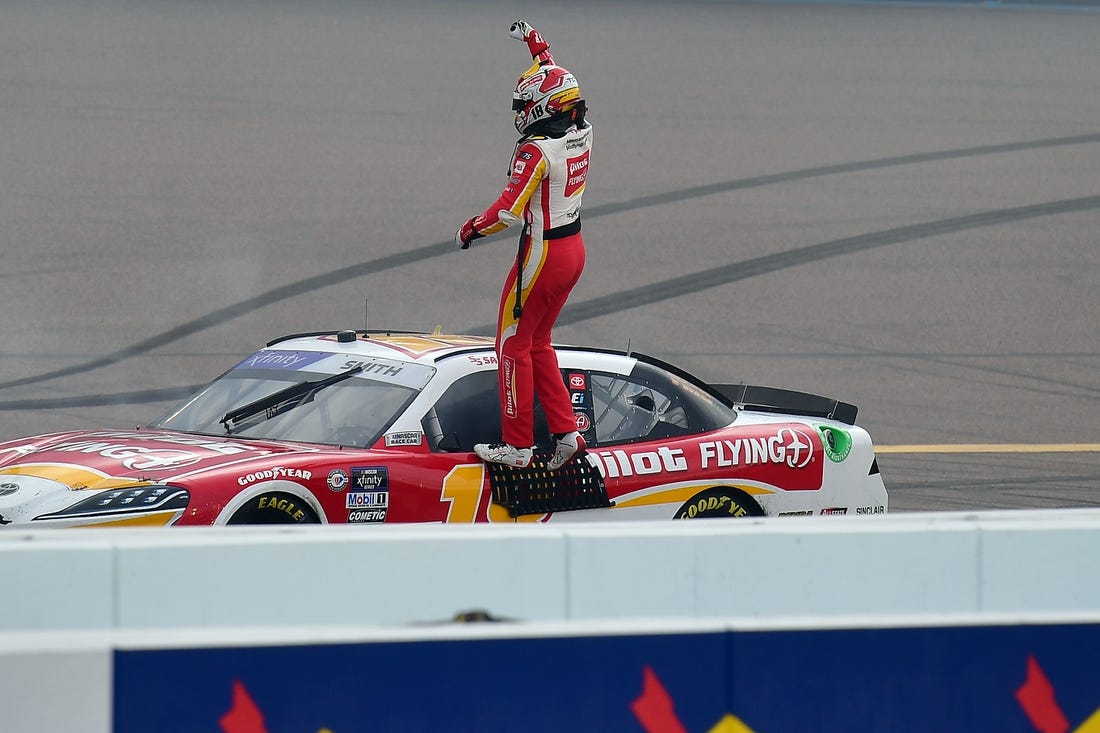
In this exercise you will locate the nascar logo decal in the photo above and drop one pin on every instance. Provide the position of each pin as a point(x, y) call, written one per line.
point(402, 439)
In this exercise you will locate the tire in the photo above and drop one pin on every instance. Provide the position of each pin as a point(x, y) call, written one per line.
point(275, 507)
point(719, 501)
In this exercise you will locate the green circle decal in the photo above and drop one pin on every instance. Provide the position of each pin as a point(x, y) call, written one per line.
point(837, 441)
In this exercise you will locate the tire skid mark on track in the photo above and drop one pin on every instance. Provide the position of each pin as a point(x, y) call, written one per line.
point(141, 397)
point(734, 271)
point(711, 189)
point(623, 300)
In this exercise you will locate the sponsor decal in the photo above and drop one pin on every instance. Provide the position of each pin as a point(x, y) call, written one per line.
point(576, 398)
point(789, 446)
point(836, 510)
point(133, 457)
point(225, 447)
point(578, 142)
point(711, 503)
point(21, 450)
point(367, 500)
point(144, 457)
point(578, 172)
point(525, 155)
point(274, 473)
point(616, 463)
point(880, 509)
point(837, 442)
point(582, 420)
point(804, 513)
point(366, 516)
point(577, 381)
point(509, 366)
point(337, 480)
point(6, 489)
point(282, 505)
point(398, 439)
point(376, 368)
point(786, 458)
point(277, 359)
point(376, 478)
point(520, 165)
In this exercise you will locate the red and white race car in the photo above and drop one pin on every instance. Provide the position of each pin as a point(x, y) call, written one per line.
point(379, 427)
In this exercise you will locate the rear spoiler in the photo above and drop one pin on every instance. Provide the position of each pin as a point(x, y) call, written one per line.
point(786, 401)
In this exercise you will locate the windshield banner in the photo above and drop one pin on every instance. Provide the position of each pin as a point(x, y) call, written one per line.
point(391, 371)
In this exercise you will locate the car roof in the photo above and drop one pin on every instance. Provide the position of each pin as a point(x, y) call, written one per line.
point(433, 348)
point(430, 349)
point(424, 348)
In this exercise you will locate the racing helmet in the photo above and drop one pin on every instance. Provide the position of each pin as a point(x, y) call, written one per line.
point(543, 93)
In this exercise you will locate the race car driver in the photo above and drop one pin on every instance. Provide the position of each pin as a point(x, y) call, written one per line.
point(546, 182)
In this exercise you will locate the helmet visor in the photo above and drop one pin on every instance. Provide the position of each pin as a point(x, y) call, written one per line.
point(518, 103)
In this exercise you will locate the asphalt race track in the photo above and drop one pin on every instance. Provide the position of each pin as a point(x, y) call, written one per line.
point(897, 206)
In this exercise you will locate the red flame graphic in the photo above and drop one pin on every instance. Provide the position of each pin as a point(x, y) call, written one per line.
point(245, 715)
point(1036, 697)
point(653, 708)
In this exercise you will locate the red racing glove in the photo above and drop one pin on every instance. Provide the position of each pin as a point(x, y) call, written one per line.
point(466, 234)
point(521, 30)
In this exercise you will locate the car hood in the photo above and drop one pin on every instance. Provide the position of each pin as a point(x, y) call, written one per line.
point(78, 478)
point(98, 459)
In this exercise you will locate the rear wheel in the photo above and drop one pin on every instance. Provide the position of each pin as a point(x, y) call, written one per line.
point(719, 501)
point(275, 507)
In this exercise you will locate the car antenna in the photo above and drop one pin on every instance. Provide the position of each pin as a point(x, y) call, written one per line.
point(366, 314)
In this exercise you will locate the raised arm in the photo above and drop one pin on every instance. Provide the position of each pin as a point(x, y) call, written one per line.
point(521, 30)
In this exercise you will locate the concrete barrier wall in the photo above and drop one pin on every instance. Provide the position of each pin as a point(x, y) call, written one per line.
point(323, 627)
point(55, 683)
point(774, 568)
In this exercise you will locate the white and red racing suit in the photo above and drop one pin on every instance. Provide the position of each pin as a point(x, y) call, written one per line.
point(545, 187)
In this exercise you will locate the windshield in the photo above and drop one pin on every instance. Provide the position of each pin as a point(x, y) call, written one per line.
point(354, 410)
